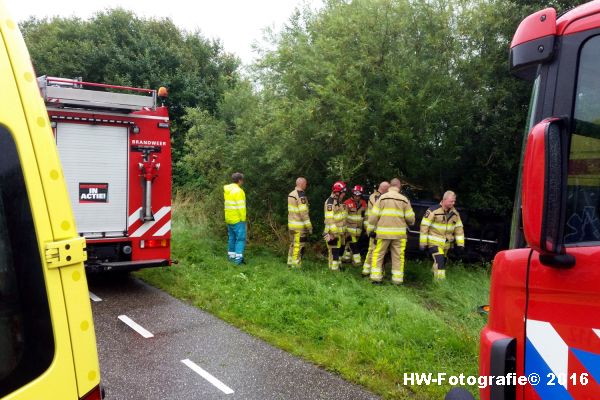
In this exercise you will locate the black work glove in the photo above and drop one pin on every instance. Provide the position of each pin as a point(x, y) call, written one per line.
point(373, 235)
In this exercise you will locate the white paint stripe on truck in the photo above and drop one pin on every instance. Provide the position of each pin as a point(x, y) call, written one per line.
point(134, 217)
point(147, 225)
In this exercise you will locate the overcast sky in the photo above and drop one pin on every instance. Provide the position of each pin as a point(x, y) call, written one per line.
point(238, 23)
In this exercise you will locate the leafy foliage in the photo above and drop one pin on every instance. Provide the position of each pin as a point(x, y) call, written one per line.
point(361, 90)
point(365, 90)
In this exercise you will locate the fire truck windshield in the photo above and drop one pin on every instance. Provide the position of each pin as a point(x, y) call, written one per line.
point(516, 235)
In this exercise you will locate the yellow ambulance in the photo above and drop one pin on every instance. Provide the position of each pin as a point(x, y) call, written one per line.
point(47, 340)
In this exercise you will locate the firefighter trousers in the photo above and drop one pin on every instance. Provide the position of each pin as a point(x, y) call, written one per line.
point(439, 253)
point(334, 250)
point(296, 251)
point(352, 250)
point(366, 271)
point(397, 247)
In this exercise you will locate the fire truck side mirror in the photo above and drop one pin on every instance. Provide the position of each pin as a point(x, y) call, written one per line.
point(544, 191)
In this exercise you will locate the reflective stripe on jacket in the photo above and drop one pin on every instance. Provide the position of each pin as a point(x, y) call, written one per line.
point(372, 200)
point(356, 216)
point(391, 215)
point(235, 203)
point(335, 217)
point(439, 227)
point(298, 217)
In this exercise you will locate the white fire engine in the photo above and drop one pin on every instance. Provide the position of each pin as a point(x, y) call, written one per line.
point(115, 149)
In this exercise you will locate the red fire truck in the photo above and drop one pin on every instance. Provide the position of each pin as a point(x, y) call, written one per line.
point(114, 146)
point(544, 321)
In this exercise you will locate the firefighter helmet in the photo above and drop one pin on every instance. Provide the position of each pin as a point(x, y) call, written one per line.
point(339, 187)
point(357, 190)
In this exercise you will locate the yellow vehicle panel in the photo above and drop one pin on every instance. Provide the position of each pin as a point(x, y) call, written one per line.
point(74, 369)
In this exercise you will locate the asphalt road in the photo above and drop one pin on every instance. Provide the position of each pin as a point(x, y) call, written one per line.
point(192, 354)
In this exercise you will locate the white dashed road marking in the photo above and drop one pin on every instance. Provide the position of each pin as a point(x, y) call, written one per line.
point(94, 297)
point(138, 328)
point(215, 382)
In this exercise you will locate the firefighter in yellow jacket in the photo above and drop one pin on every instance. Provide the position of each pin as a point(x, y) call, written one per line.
point(382, 189)
point(441, 228)
point(389, 219)
point(335, 222)
point(299, 223)
point(356, 207)
point(235, 217)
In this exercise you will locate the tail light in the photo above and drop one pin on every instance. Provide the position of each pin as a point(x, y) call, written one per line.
point(154, 243)
point(95, 394)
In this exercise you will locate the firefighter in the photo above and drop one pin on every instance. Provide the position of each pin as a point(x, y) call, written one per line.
point(299, 223)
point(356, 208)
point(389, 219)
point(335, 221)
point(441, 228)
point(235, 218)
point(382, 189)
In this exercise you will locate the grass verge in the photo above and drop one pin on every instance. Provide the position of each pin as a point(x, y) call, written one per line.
point(370, 335)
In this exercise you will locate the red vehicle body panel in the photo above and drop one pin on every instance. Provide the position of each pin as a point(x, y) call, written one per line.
point(507, 308)
point(566, 24)
point(552, 311)
point(537, 25)
point(150, 134)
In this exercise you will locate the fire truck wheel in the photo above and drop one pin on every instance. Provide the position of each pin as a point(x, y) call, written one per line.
point(459, 394)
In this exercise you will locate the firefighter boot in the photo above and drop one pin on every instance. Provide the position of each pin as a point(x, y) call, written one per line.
point(440, 275)
point(347, 257)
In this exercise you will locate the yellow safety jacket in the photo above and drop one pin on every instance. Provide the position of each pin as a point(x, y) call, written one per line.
point(235, 203)
point(298, 217)
point(335, 217)
point(355, 218)
point(372, 200)
point(440, 228)
point(391, 215)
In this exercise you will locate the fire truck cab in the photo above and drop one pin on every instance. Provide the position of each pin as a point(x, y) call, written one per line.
point(544, 321)
point(47, 339)
point(114, 145)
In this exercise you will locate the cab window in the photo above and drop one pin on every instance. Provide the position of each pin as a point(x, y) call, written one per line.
point(583, 193)
point(26, 341)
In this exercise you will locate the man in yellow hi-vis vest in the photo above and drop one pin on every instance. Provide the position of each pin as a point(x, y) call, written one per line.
point(235, 218)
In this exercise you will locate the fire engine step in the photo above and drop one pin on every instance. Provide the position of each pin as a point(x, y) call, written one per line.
point(128, 265)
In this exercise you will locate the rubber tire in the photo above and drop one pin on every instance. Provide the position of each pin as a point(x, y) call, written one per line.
point(459, 394)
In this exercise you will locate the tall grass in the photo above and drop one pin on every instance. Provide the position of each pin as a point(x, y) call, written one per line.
point(368, 334)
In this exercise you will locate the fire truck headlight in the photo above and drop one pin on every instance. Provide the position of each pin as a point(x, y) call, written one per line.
point(127, 250)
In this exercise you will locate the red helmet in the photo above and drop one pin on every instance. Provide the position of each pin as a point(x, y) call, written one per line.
point(339, 187)
point(357, 190)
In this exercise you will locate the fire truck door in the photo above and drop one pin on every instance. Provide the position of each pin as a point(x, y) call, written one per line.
point(562, 346)
point(95, 164)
